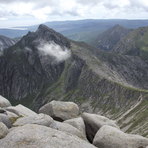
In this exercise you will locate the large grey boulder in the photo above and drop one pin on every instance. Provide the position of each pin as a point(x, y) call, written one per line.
point(37, 136)
point(68, 129)
point(21, 110)
point(4, 102)
point(77, 123)
point(60, 110)
point(5, 119)
point(94, 122)
point(111, 137)
point(41, 119)
point(3, 130)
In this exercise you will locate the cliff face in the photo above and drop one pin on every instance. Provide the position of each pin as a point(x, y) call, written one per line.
point(107, 83)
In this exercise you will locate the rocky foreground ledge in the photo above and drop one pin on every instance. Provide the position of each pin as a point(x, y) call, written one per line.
point(60, 125)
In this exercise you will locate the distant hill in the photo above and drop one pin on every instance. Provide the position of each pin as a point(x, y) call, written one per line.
point(135, 44)
point(108, 39)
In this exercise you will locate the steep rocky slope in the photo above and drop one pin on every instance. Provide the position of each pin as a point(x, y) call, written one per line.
point(108, 39)
point(31, 73)
point(6, 42)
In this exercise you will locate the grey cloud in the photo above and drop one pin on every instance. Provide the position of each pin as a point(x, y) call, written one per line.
point(37, 3)
point(6, 13)
point(110, 6)
point(138, 4)
point(89, 2)
point(33, 1)
point(11, 1)
point(115, 4)
point(71, 13)
point(43, 3)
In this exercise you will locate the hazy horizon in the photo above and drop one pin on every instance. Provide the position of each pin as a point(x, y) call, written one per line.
point(20, 27)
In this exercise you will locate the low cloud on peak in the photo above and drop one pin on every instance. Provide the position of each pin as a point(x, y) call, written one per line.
point(52, 49)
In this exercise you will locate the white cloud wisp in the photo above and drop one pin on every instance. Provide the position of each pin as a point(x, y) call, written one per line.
point(52, 49)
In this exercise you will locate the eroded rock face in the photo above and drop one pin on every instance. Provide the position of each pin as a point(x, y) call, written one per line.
point(68, 129)
point(60, 111)
point(3, 130)
point(37, 136)
point(41, 119)
point(4, 102)
point(94, 122)
point(111, 137)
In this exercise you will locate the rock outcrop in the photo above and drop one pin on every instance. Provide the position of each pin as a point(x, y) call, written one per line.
point(110, 137)
point(60, 110)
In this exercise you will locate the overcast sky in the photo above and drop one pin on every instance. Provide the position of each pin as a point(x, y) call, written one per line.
point(29, 12)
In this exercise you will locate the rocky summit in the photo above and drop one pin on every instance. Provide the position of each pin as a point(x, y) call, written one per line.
point(33, 130)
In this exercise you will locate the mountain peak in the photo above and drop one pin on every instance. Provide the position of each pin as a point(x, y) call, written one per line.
point(43, 27)
point(118, 26)
point(46, 34)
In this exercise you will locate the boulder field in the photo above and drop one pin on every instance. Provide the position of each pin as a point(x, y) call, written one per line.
point(61, 125)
